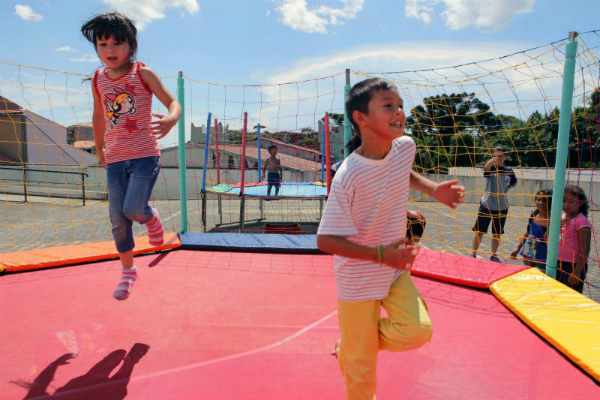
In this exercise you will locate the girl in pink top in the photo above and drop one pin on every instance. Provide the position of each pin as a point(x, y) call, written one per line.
point(575, 239)
point(125, 135)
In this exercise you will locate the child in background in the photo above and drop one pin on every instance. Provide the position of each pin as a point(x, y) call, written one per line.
point(364, 226)
point(273, 165)
point(415, 226)
point(125, 135)
point(575, 239)
point(534, 243)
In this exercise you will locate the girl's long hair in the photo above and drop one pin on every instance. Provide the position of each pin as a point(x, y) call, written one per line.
point(578, 192)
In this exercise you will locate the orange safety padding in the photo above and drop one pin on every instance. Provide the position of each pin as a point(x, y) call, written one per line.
point(75, 254)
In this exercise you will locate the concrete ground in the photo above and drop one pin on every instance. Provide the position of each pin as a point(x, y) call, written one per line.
point(39, 223)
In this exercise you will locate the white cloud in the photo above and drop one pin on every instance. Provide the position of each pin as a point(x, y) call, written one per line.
point(315, 85)
point(67, 49)
point(26, 12)
point(93, 57)
point(395, 57)
point(483, 15)
point(297, 15)
point(420, 9)
point(145, 12)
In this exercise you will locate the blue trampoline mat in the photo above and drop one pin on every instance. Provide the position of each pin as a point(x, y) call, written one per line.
point(287, 189)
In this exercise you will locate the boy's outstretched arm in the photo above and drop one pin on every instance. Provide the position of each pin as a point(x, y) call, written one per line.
point(447, 192)
point(394, 255)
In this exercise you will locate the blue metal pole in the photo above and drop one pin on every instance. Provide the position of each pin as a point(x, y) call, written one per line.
point(206, 144)
point(560, 168)
point(259, 159)
point(181, 155)
point(323, 155)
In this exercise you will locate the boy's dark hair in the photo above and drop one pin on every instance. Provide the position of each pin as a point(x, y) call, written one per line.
point(358, 100)
point(114, 24)
point(272, 147)
point(578, 192)
point(500, 148)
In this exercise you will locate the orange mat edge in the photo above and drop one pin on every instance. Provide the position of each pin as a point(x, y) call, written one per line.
point(30, 260)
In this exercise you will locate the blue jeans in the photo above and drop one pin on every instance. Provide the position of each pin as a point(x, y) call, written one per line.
point(130, 186)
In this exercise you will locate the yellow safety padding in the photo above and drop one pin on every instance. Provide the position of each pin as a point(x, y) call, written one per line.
point(75, 254)
point(565, 318)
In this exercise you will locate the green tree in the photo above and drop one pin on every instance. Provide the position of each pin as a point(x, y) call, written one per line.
point(446, 128)
point(584, 139)
point(308, 138)
point(335, 120)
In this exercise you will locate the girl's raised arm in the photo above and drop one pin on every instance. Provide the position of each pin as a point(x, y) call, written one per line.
point(99, 127)
point(163, 125)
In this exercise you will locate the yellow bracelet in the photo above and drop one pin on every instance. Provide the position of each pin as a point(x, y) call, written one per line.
point(380, 254)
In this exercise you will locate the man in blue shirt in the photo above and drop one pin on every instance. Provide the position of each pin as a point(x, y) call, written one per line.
point(493, 206)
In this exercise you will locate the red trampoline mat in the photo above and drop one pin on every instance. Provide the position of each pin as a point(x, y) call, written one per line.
point(254, 326)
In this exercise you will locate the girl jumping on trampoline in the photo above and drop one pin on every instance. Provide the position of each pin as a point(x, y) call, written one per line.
point(534, 243)
point(125, 135)
point(364, 226)
point(273, 166)
point(575, 239)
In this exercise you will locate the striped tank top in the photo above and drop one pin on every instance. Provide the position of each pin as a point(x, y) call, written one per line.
point(127, 105)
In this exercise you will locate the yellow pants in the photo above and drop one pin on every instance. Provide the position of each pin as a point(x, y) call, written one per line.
point(364, 333)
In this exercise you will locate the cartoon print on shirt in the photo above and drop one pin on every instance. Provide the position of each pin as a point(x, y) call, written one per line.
point(119, 103)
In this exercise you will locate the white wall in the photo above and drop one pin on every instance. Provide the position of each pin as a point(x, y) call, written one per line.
point(167, 185)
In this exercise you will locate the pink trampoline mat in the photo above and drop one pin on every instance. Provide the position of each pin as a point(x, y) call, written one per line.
point(219, 325)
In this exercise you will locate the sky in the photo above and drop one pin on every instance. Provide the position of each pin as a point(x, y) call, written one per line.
point(251, 42)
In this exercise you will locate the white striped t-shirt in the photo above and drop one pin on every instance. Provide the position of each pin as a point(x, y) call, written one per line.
point(367, 205)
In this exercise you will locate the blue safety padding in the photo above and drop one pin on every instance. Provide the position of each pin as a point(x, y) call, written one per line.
point(250, 242)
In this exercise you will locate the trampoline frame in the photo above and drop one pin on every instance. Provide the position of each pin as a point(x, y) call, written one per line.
point(242, 215)
point(325, 176)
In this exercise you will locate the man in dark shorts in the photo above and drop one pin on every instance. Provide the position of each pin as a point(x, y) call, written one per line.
point(493, 207)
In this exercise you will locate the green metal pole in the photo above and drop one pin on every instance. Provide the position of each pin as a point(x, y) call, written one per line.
point(181, 154)
point(347, 127)
point(560, 168)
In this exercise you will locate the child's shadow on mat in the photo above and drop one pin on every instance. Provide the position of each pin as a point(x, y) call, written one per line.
point(96, 383)
point(157, 260)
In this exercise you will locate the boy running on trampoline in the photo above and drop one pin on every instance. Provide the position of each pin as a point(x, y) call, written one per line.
point(364, 226)
point(125, 136)
point(273, 165)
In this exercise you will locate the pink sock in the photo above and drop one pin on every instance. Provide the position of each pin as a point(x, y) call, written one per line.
point(123, 289)
point(155, 230)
